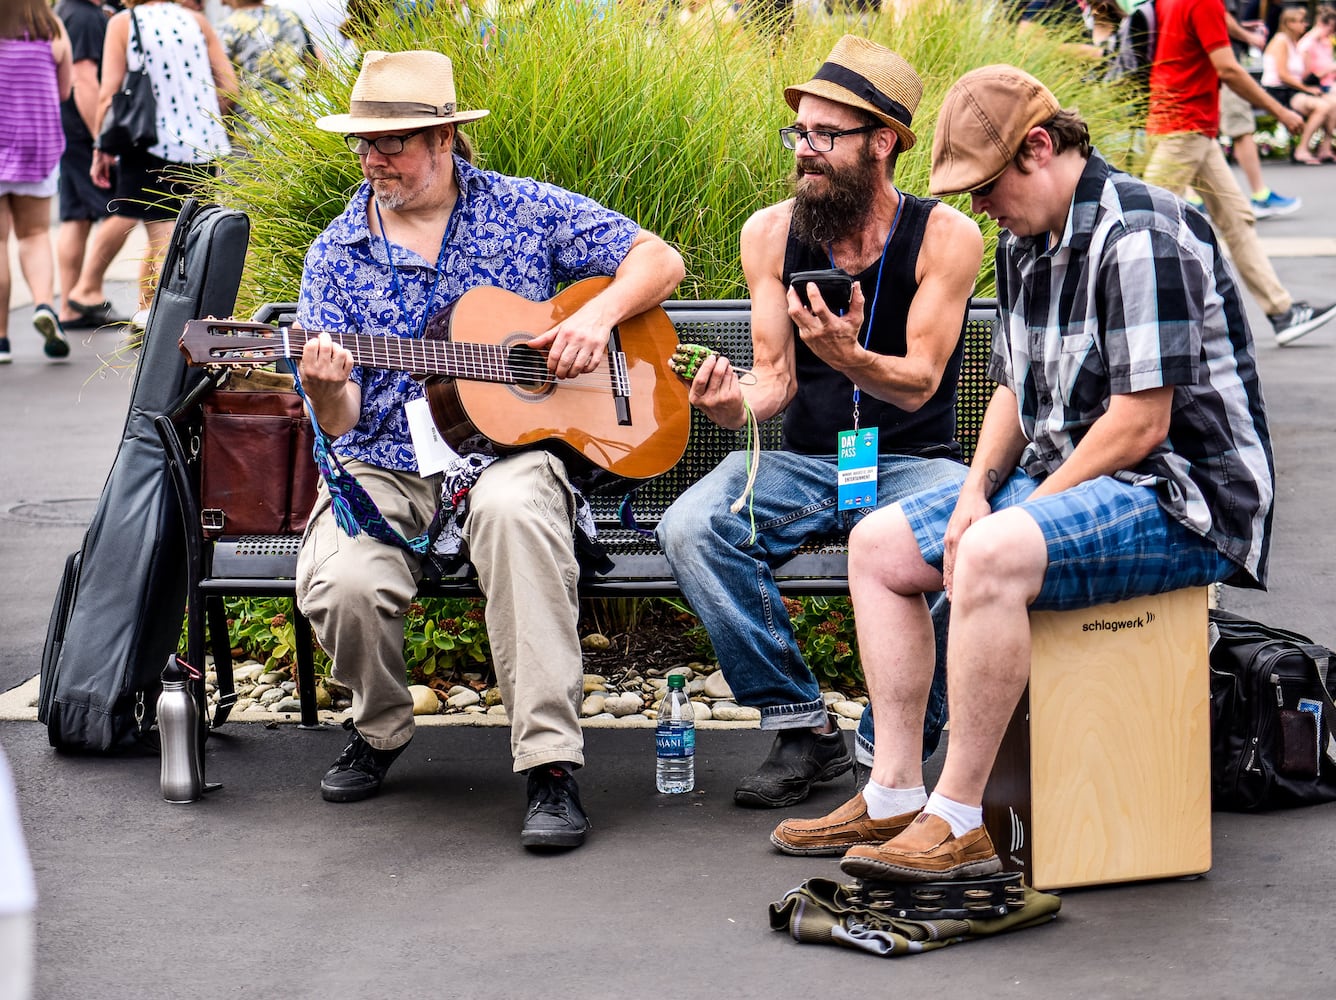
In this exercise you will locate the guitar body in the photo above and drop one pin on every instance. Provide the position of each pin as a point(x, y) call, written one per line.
point(633, 423)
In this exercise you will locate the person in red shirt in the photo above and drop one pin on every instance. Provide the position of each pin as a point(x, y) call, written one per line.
point(1193, 57)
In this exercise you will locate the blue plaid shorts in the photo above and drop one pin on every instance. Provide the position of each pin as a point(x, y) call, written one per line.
point(1107, 540)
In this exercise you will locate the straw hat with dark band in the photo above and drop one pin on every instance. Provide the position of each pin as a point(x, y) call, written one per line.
point(863, 74)
point(401, 90)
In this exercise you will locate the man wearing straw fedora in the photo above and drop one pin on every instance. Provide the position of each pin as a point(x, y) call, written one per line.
point(885, 367)
point(1124, 453)
point(424, 227)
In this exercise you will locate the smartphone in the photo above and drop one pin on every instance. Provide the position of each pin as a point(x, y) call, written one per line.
point(835, 284)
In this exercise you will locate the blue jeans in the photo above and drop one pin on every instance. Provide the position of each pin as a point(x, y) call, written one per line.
point(728, 581)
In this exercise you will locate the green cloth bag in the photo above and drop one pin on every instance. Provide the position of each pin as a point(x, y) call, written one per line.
point(822, 911)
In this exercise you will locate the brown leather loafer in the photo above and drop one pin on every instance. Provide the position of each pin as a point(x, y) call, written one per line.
point(925, 852)
point(848, 826)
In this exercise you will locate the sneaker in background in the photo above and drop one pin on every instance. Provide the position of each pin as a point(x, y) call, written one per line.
point(1299, 319)
point(1272, 205)
point(47, 323)
point(5, 356)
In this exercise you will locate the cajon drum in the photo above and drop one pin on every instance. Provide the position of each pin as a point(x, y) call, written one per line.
point(1104, 774)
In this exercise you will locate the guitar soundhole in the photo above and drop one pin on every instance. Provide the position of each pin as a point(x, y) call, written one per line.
point(529, 368)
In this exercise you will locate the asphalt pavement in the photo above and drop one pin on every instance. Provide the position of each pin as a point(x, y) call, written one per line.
point(264, 890)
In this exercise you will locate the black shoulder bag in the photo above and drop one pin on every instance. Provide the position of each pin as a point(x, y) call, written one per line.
point(1271, 717)
point(132, 120)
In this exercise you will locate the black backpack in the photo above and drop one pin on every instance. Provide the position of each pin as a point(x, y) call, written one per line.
point(1134, 47)
point(1271, 717)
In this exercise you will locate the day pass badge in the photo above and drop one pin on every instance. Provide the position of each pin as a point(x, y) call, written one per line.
point(857, 469)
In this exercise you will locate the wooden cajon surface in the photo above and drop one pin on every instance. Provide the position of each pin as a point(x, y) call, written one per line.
point(1104, 773)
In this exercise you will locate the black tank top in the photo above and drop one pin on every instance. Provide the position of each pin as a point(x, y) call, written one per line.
point(823, 405)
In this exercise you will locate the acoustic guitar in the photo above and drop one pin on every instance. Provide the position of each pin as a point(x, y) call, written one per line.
point(629, 417)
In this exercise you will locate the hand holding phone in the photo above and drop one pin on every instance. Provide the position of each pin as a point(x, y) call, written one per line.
point(834, 284)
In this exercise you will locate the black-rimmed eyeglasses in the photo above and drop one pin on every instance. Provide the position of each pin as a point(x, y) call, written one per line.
point(819, 140)
point(385, 145)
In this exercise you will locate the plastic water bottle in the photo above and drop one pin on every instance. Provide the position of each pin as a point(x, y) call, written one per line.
point(675, 739)
point(182, 775)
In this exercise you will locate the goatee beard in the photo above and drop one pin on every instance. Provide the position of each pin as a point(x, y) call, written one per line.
point(819, 218)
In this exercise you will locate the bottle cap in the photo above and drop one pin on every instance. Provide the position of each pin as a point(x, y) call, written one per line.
point(677, 682)
point(174, 672)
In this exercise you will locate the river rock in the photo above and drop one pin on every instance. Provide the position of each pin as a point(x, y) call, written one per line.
point(701, 711)
point(594, 682)
point(464, 698)
point(717, 687)
point(425, 701)
point(272, 695)
point(497, 710)
point(323, 699)
point(288, 704)
point(623, 705)
point(593, 704)
point(246, 672)
point(729, 712)
point(847, 709)
point(273, 677)
point(596, 642)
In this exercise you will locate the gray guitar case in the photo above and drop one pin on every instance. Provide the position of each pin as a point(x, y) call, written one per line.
point(120, 604)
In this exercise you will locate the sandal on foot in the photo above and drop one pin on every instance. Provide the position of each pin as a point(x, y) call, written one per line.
point(92, 317)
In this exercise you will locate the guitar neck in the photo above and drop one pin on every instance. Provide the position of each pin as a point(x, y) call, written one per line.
point(474, 362)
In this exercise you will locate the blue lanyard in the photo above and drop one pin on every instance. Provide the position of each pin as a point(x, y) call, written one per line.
point(440, 266)
point(876, 292)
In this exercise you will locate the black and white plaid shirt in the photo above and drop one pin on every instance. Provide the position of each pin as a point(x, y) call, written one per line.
point(1137, 296)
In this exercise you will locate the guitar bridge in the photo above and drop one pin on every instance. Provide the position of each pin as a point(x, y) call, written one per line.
point(620, 378)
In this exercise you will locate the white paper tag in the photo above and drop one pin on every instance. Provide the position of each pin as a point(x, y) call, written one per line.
point(433, 454)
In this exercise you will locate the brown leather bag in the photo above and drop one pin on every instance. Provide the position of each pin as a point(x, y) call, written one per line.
point(257, 476)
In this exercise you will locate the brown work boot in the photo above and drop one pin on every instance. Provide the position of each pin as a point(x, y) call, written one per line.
point(846, 827)
point(925, 852)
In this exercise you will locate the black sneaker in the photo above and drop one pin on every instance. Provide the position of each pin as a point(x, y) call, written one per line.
point(555, 817)
point(359, 771)
point(47, 323)
point(1298, 319)
point(798, 758)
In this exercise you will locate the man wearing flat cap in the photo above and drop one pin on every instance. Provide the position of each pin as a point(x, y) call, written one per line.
point(880, 373)
point(425, 227)
point(1124, 453)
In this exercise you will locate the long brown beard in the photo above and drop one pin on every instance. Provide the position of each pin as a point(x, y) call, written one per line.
point(841, 209)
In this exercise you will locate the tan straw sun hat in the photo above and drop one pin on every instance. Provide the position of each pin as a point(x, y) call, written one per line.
point(863, 74)
point(985, 117)
point(397, 90)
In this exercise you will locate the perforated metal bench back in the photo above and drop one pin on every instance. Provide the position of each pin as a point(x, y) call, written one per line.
point(725, 326)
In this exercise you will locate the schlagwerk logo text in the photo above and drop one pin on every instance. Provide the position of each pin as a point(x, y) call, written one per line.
point(1111, 625)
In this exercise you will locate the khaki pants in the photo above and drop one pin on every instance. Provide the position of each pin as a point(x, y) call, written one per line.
point(1190, 158)
point(519, 533)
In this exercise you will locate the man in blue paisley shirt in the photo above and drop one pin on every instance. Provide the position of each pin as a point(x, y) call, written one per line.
point(1124, 453)
point(425, 227)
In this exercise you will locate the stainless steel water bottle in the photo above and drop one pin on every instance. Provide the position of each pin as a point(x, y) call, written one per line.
point(178, 733)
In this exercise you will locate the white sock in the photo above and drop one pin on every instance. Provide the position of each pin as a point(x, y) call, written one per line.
point(962, 818)
point(883, 802)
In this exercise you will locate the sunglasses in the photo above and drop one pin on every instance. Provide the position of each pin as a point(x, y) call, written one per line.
point(983, 190)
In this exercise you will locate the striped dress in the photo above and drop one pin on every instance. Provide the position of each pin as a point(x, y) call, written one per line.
point(31, 139)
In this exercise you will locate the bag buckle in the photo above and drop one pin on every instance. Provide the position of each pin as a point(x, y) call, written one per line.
point(211, 519)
